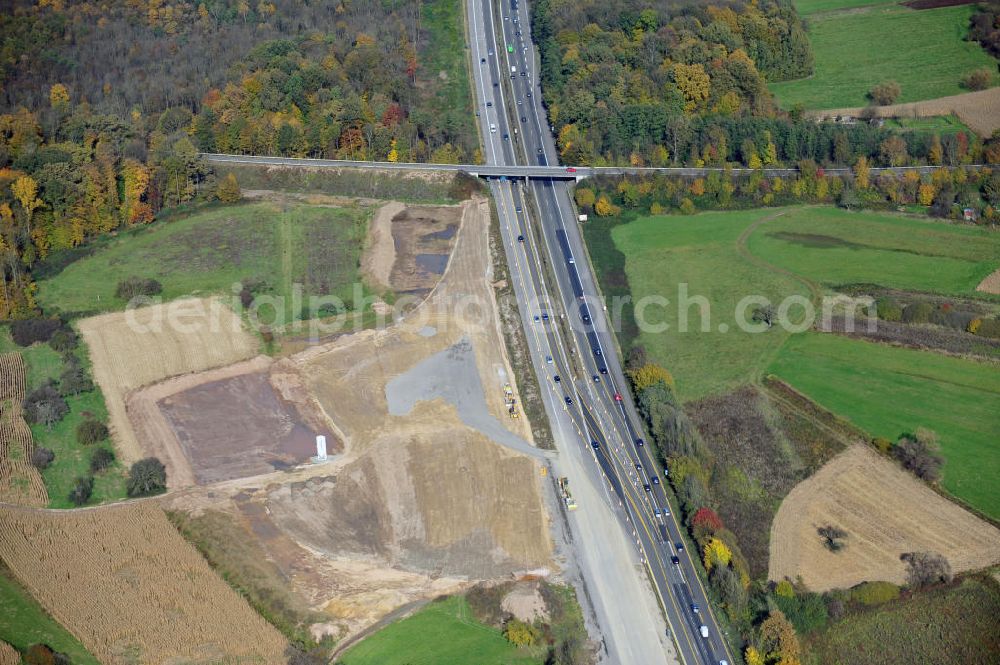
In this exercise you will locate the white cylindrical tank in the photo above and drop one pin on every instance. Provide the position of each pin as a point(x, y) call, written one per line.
point(320, 447)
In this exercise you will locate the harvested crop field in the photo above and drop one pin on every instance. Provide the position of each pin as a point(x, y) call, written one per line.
point(991, 284)
point(885, 512)
point(133, 590)
point(138, 347)
point(20, 482)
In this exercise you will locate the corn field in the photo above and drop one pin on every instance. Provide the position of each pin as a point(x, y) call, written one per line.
point(130, 588)
point(9, 655)
point(20, 482)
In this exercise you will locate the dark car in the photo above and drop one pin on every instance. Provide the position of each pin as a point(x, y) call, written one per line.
point(529, 94)
point(647, 487)
point(540, 151)
point(597, 352)
point(640, 443)
point(604, 370)
point(569, 400)
point(680, 547)
point(655, 480)
point(597, 379)
point(674, 560)
point(524, 73)
point(638, 466)
point(520, 238)
point(557, 378)
point(524, 119)
point(489, 105)
point(595, 444)
point(482, 60)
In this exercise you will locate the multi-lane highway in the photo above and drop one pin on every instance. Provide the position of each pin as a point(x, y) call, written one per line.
point(576, 358)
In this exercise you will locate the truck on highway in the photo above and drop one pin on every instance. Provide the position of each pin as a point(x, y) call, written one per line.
point(566, 496)
point(704, 630)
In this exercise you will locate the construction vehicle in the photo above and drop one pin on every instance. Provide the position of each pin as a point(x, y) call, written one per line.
point(566, 496)
point(508, 398)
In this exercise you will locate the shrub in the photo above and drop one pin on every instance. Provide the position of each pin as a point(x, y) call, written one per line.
point(147, 477)
point(974, 325)
point(40, 654)
point(882, 444)
point(519, 633)
point(101, 460)
point(888, 309)
point(42, 457)
point(74, 379)
point(832, 537)
point(64, 340)
point(989, 328)
point(90, 432)
point(82, 489)
point(918, 453)
point(687, 206)
point(885, 93)
point(29, 331)
point(228, 189)
point(925, 568)
point(132, 287)
point(807, 611)
point(705, 521)
point(874, 593)
point(45, 406)
point(977, 79)
point(918, 312)
point(785, 589)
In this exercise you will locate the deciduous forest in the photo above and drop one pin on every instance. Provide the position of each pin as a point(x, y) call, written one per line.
point(104, 106)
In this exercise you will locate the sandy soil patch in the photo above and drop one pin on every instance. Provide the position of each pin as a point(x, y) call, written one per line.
point(991, 284)
point(525, 602)
point(122, 580)
point(979, 110)
point(885, 511)
point(130, 350)
point(380, 254)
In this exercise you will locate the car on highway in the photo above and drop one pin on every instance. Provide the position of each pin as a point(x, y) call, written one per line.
point(656, 510)
point(597, 379)
point(482, 60)
point(595, 444)
point(540, 151)
point(529, 95)
point(506, 137)
point(694, 608)
point(524, 119)
point(569, 400)
point(646, 487)
point(495, 84)
point(490, 51)
point(519, 102)
point(679, 547)
point(518, 208)
point(675, 560)
point(640, 442)
point(557, 378)
point(655, 480)
point(548, 360)
point(703, 630)
point(524, 73)
point(570, 169)
point(520, 238)
point(545, 316)
point(489, 105)
point(597, 352)
point(618, 397)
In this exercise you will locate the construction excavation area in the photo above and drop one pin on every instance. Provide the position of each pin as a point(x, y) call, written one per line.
point(430, 484)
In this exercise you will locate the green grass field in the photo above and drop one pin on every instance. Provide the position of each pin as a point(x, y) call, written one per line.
point(23, 623)
point(809, 7)
point(827, 245)
point(834, 246)
point(447, 62)
point(442, 633)
point(209, 251)
point(71, 459)
point(888, 391)
point(924, 51)
point(955, 625)
point(940, 124)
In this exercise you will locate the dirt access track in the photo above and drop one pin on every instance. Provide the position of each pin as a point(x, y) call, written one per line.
point(885, 512)
point(434, 486)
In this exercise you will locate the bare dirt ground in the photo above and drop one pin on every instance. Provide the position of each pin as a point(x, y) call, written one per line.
point(124, 581)
point(129, 350)
point(991, 284)
point(885, 511)
point(979, 110)
point(525, 602)
point(423, 238)
point(380, 254)
point(419, 502)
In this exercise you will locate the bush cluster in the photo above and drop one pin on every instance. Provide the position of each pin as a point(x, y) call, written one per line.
point(133, 287)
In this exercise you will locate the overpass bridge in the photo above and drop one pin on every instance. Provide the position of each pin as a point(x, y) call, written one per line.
point(527, 172)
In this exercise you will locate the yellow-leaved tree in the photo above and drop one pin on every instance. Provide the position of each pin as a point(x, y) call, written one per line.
point(716, 554)
point(753, 657)
point(648, 375)
point(25, 190)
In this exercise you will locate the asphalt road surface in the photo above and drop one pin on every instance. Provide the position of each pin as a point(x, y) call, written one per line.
point(568, 326)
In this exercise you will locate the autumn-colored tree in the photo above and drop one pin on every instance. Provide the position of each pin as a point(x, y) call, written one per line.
point(752, 656)
point(694, 84)
point(228, 190)
point(648, 375)
point(585, 197)
point(519, 633)
point(925, 194)
point(770, 152)
point(893, 150)
point(935, 153)
point(604, 207)
point(885, 93)
point(716, 553)
point(25, 190)
point(698, 187)
point(136, 181)
point(705, 518)
point(58, 96)
point(393, 155)
point(687, 206)
point(784, 589)
point(861, 173)
point(778, 640)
